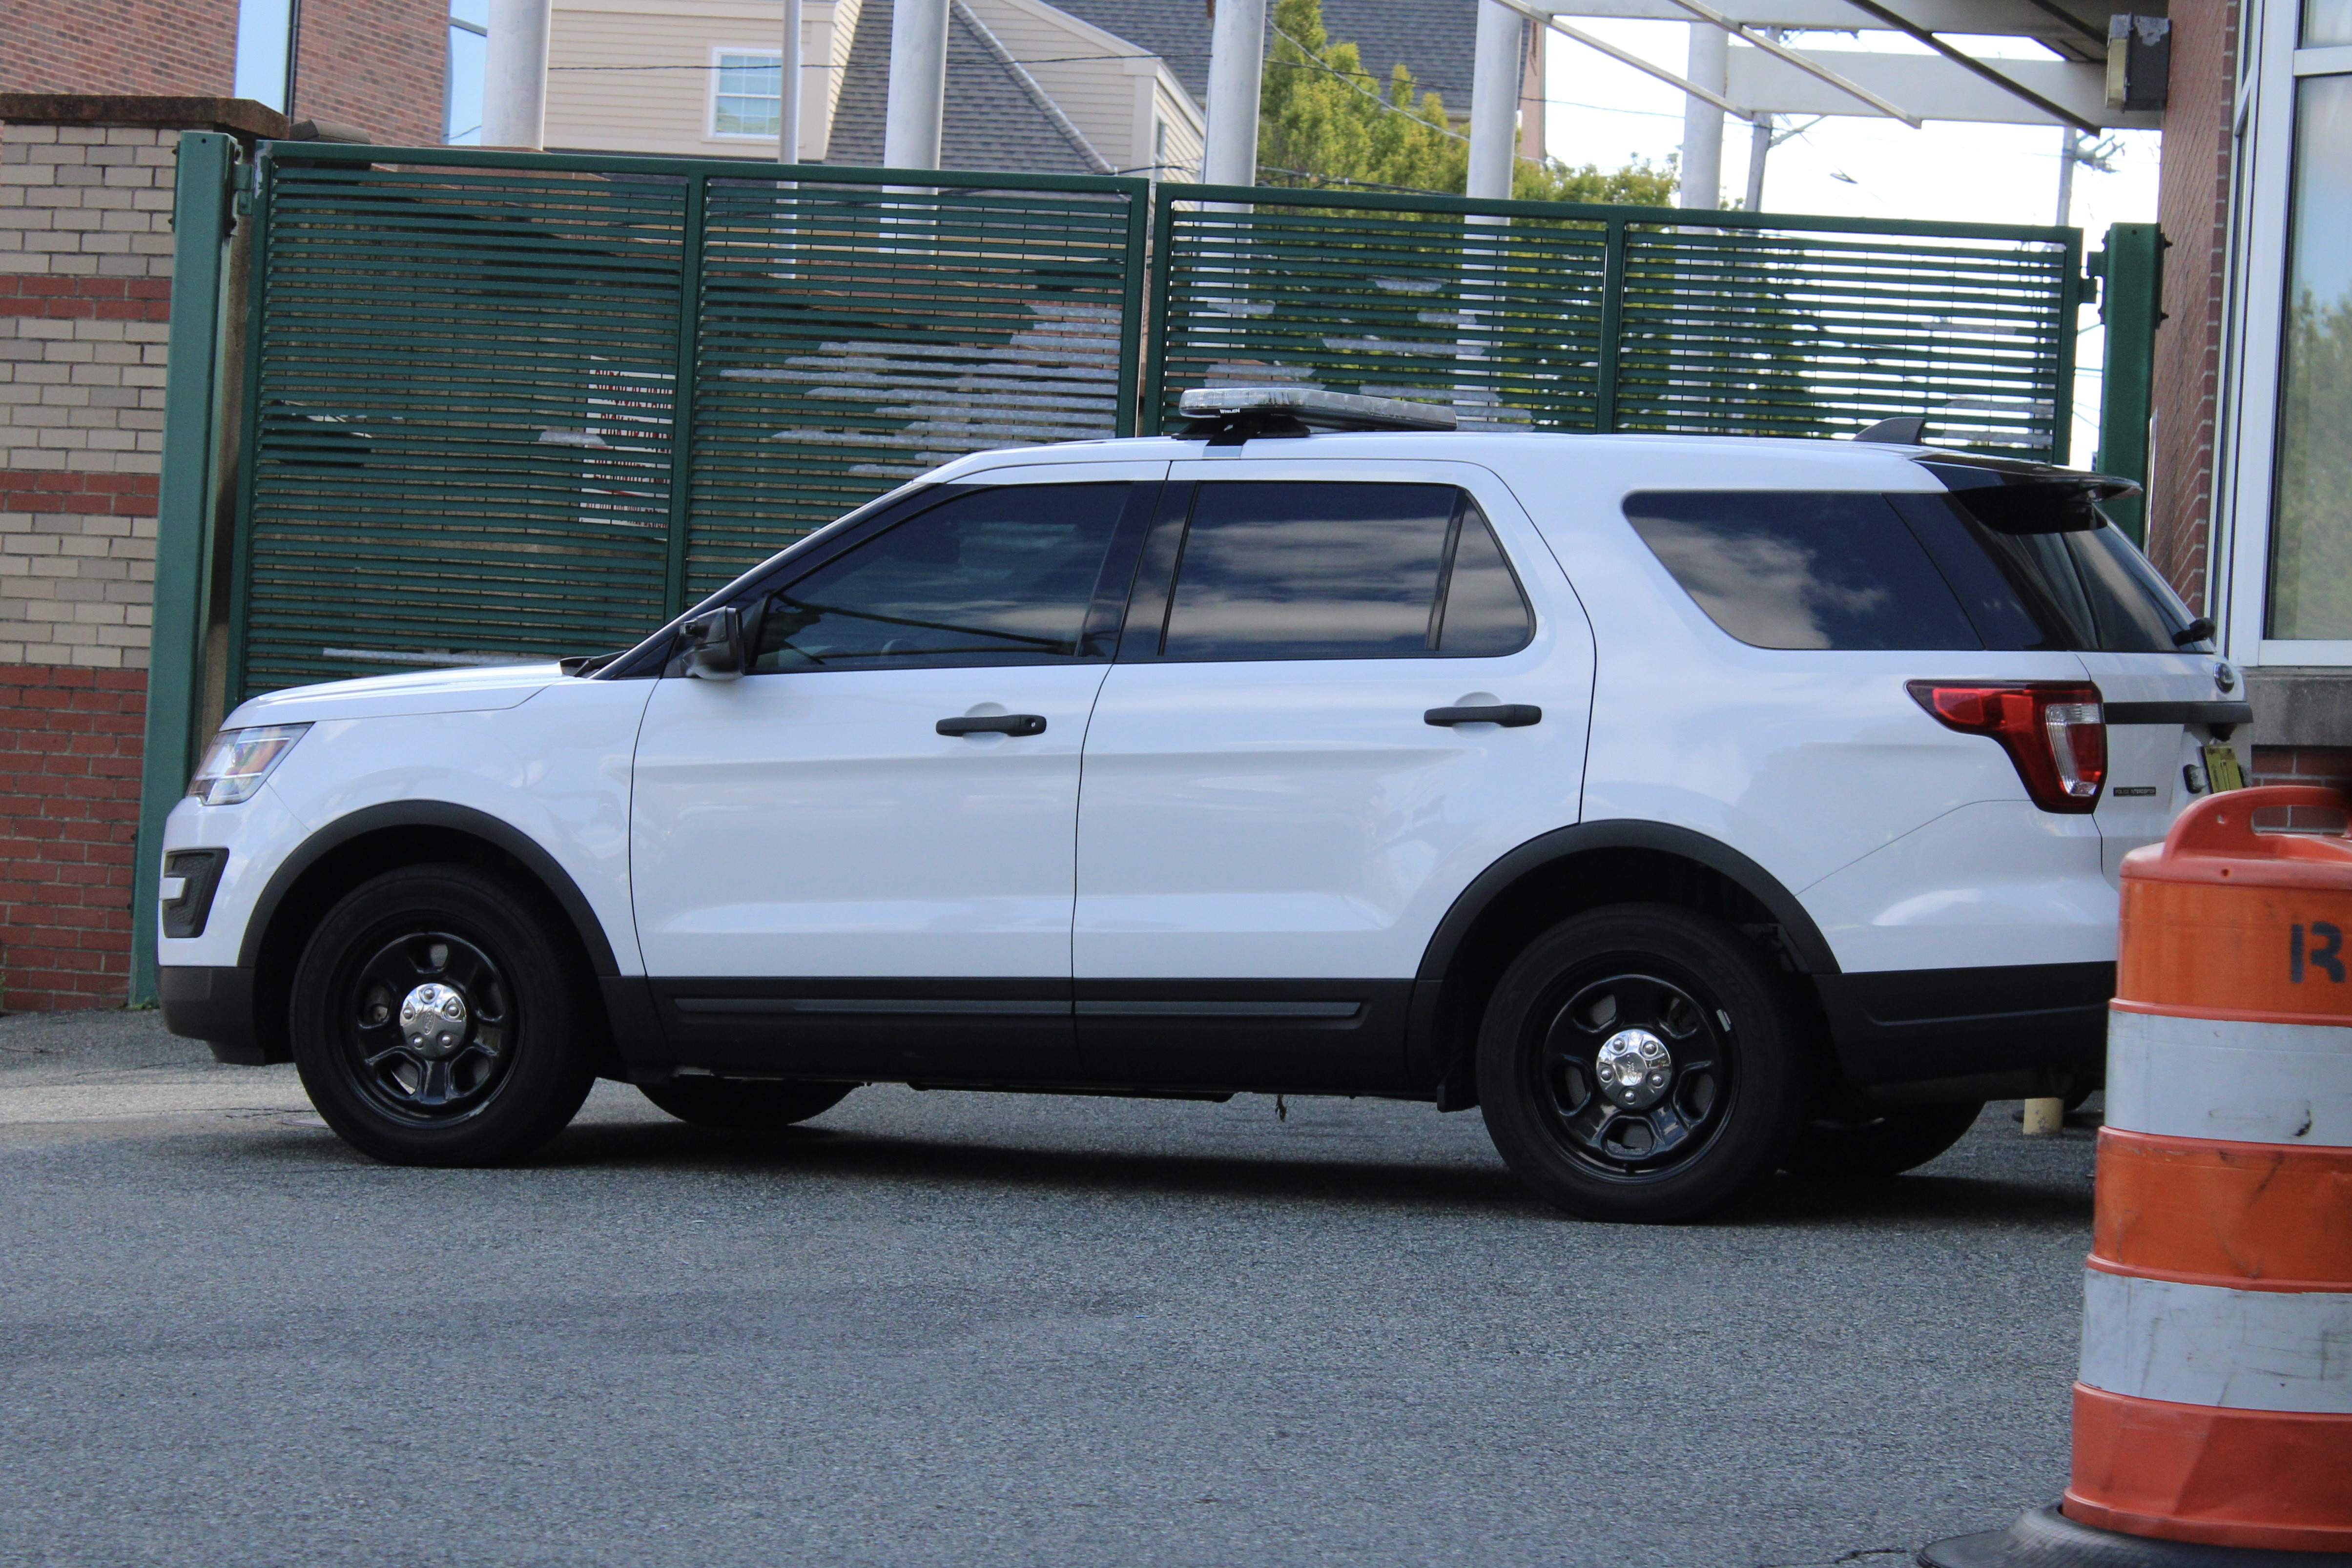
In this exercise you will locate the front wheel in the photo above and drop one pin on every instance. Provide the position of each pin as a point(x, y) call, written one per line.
point(1640, 1064)
point(437, 1019)
point(753, 1107)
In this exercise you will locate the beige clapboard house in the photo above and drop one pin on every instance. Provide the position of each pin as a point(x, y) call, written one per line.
point(1031, 87)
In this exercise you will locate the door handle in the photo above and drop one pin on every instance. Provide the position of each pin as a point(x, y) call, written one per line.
point(1510, 715)
point(997, 724)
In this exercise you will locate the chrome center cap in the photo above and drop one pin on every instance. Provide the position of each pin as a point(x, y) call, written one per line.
point(433, 1020)
point(1634, 1067)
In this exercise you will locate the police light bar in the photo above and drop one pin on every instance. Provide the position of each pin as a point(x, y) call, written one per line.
point(1311, 406)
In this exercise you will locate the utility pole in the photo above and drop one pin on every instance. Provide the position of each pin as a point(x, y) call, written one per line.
point(788, 89)
point(2068, 139)
point(1759, 147)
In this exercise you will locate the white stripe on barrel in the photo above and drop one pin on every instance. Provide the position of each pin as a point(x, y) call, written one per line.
point(2204, 1345)
point(2234, 1082)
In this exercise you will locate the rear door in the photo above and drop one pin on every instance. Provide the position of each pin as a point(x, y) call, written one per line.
point(1277, 806)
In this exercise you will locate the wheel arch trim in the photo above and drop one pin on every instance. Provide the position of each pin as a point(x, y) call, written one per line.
point(494, 831)
point(1807, 946)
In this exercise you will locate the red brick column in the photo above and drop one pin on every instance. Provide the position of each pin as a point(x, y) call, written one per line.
point(69, 750)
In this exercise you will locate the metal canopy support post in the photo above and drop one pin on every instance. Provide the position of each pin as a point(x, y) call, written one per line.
point(184, 517)
point(514, 75)
point(2064, 115)
point(788, 88)
point(1495, 101)
point(918, 84)
point(2130, 304)
point(1710, 66)
point(1237, 66)
point(1627, 56)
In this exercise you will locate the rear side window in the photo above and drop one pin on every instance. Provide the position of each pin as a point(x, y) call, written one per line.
point(1297, 570)
point(1802, 569)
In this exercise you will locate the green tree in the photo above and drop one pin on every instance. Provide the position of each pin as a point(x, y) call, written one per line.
point(1323, 120)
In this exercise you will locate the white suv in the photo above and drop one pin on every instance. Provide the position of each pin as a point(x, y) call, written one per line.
point(1695, 807)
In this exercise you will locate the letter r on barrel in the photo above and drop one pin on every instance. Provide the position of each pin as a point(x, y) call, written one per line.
point(2326, 956)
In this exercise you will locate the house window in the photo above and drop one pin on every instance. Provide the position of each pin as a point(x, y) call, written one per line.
point(748, 96)
point(2311, 538)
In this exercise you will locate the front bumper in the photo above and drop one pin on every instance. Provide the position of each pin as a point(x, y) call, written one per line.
point(215, 1005)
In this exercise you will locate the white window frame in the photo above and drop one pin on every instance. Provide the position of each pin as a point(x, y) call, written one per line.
point(719, 52)
point(2255, 300)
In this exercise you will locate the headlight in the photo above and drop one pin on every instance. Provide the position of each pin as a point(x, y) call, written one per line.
point(239, 759)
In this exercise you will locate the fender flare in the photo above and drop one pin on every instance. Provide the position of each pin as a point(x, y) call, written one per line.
point(481, 825)
point(1806, 944)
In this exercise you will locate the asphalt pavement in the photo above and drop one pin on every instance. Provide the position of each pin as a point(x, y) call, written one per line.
point(959, 1328)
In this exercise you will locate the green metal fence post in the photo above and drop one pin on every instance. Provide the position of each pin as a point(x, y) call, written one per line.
point(1613, 326)
point(1131, 309)
point(2131, 303)
point(682, 411)
point(207, 162)
point(1153, 401)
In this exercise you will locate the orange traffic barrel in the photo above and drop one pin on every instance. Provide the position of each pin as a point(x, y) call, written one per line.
point(2213, 1407)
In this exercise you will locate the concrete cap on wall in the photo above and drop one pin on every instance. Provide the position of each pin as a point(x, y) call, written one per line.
point(237, 116)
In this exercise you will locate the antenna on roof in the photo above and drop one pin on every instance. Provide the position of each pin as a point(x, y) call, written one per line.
point(1228, 416)
point(1904, 430)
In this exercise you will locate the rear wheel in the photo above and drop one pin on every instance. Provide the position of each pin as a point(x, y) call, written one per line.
point(1639, 1064)
point(437, 1019)
point(744, 1107)
point(1865, 1147)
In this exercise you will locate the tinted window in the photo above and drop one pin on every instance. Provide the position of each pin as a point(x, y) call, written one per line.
point(1484, 613)
point(1802, 569)
point(1339, 571)
point(1004, 576)
point(2067, 578)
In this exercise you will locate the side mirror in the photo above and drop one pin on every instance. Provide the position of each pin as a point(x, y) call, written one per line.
point(714, 645)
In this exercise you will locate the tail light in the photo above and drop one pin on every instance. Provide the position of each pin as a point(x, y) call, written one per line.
point(2053, 731)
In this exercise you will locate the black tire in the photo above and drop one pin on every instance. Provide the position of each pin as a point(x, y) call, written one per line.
point(744, 1107)
point(480, 1084)
point(1684, 1136)
point(1866, 1148)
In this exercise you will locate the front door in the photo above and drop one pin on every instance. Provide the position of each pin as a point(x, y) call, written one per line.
point(857, 859)
point(1283, 792)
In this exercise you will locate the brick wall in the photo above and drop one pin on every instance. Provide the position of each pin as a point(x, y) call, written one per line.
point(70, 751)
point(2193, 206)
point(173, 47)
point(379, 65)
point(85, 290)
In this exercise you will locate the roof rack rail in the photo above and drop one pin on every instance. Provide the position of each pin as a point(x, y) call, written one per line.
point(1229, 415)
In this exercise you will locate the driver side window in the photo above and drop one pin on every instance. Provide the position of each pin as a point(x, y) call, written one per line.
point(1005, 575)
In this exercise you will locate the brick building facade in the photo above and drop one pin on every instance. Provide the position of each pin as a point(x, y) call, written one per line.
point(379, 66)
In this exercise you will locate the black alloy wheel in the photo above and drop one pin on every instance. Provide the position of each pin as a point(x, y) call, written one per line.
point(439, 1019)
point(1638, 1063)
point(744, 1106)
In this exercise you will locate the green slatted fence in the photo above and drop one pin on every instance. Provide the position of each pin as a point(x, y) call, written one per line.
point(1538, 315)
point(462, 409)
point(465, 439)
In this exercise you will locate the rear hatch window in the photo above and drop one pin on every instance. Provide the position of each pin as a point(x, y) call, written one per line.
point(2038, 566)
point(2002, 564)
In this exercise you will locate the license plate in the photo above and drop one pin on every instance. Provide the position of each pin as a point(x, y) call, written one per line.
point(2221, 770)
